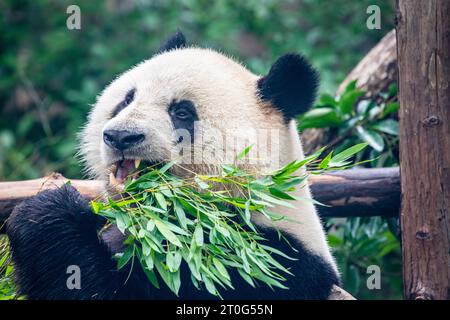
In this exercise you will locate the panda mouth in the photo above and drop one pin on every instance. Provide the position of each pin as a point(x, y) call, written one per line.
point(121, 170)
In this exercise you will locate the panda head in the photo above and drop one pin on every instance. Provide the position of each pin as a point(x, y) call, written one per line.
point(195, 103)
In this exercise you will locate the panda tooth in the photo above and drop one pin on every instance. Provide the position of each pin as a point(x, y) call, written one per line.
point(137, 162)
point(112, 179)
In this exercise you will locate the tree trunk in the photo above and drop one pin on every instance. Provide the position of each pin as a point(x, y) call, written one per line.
point(423, 37)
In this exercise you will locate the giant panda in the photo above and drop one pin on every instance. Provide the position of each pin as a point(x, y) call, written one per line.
point(179, 89)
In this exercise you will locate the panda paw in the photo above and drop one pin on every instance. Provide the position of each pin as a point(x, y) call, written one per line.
point(52, 231)
point(55, 221)
point(48, 211)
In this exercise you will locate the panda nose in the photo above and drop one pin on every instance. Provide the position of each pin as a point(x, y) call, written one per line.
point(122, 139)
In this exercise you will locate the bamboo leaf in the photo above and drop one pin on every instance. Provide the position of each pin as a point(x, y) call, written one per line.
point(125, 257)
point(198, 234)
point(169, 235)
point(161, 200)
point(346, 154)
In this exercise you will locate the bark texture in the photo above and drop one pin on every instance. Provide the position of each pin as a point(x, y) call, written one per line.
point(423, 37)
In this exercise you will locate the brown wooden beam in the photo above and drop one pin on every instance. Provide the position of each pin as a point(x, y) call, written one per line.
point(349, 193)
point(423, 38)
point(358, 193)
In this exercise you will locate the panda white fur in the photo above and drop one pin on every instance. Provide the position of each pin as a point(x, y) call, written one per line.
point(186, 89)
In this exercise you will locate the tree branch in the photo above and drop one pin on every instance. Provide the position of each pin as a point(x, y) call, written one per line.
point(349, 193)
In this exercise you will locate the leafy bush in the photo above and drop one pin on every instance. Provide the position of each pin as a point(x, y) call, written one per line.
point(7, 287)
point(354, 119)
point(360, 242)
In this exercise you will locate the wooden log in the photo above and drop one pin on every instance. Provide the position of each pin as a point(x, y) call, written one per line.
point(423, 37)
point(337, 293)
point(14, 192)
point(358, 192)
point(377, 70)
point(349, 193)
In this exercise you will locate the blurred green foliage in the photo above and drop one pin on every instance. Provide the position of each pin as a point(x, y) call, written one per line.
point(49, 77)
point(359, 243)
point(362, 242)
point(353, 118)
point(7, 287)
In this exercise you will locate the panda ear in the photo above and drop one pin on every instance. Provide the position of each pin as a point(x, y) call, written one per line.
point(291, 85)
point(175, 41)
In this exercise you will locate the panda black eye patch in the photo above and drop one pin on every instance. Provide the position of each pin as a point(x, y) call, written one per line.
point(183, 115)
point(129, 97)
point(182, 112)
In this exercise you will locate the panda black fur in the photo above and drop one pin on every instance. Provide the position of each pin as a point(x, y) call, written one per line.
point(56, 228)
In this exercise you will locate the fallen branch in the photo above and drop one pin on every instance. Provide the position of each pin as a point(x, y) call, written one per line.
point(349, 193)
point(377, 70)
point(337, 293)
point(358, 193)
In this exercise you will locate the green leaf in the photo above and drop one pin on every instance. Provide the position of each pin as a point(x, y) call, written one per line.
point(167, 166)
point(364, 106)
point(280, 194)
point(273, 200)
point(326, 100)
point(245, 263)
point(393, 89)
point(390, 108)
point(122, 221)
point(221, 268)
point(141, 233)
point(268, 280)
point(151, 277)
point(202, 184)
point(146, 249)
point(150, 225)
point(319, 118)
point(334, 241)
point(125, 257)
point(179, 211)
point(152, 208)
point(371, 137)
point(278, 252)
point(246, 277)
point(198, 234)
point(223, 231)
point(173, 261)
point(346, 154)
point(247, 214)
point(348, 101)
point(209, 285)
point(171, 279)
point(97, 206)
point(161, 200)
point(324, 163)
point(244, 153)
point(388, 126)
point(169, 235)
point(351, 86)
